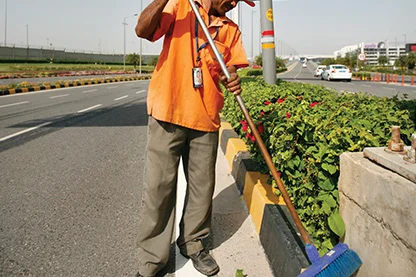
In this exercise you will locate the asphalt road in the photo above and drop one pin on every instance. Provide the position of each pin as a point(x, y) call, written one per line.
point(306, 75)
point(70, 187)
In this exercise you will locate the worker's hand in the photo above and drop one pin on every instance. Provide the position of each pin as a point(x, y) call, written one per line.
point(233, 83)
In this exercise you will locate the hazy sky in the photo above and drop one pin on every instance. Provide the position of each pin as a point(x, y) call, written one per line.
point(301, 26)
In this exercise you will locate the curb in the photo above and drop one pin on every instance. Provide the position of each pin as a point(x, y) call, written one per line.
point(270, 216)
point(69, 84)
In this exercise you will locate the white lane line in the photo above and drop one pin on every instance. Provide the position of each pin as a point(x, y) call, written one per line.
point(57, 96)
point(90, 108)
point(130, 85)
point(14, 104)
point(140, 91)
point(91, 90)
point(366, 86)
point(388, 88)
point(112, 87)
point(122, 97)
point(24, 131)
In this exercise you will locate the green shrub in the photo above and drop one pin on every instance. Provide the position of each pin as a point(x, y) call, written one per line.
point(306, 128)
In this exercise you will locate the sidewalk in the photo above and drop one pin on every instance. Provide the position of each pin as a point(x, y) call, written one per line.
point(235, 242)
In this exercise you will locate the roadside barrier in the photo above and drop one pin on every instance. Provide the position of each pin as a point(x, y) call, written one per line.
point(413, 81)
point(402, 80)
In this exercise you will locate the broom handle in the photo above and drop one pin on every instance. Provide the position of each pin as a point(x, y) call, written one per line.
point(254, 130)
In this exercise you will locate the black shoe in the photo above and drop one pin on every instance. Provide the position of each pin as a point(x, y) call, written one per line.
point(204, 263)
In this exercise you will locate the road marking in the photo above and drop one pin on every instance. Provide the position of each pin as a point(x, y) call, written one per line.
point(388, 88)
point(91, 90)
point(122, 97)
point(24, 131)
point(14, 104)
point(90, 108)
point(130, 85)
point(112, 87)
point(140, 91)
point(366, 86)
point(63, 95)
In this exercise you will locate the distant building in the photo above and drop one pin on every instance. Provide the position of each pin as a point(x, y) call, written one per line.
point(373, 51)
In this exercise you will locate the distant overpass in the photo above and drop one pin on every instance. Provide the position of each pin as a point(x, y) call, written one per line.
point(315, 57)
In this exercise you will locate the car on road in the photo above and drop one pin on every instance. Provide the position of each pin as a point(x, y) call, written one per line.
point(319, 70)
point(336, 72)
point(304, 64)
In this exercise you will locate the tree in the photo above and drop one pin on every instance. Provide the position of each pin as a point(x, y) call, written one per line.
point(411, 60)
point(401, 61)
point(382, 60)
point(133, 59)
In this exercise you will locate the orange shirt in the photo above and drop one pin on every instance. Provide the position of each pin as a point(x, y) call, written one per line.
point(171, 95)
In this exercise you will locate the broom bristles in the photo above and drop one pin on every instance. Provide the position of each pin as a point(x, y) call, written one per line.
point(339, 262)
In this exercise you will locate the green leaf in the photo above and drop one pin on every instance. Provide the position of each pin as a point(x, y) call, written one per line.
point(329, 168)
point(336, 223)
point(326, 185)
point(239, 273)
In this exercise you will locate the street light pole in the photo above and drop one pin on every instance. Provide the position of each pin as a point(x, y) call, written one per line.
point(125, 24)
point(5, 24)
point(27, 35)
point(141, 52)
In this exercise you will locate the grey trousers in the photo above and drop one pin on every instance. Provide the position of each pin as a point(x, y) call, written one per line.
point(167, 143)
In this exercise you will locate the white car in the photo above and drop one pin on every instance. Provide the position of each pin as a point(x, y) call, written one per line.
point(319, 70)
point(337, 72)
point(304, 65)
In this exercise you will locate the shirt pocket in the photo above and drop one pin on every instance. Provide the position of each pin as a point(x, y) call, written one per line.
point(211, 60)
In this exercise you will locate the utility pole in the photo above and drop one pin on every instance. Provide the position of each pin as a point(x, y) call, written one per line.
point(125, 24)
point(5, 24)
point(141, 43)
point(27, 35)
point(267, 42)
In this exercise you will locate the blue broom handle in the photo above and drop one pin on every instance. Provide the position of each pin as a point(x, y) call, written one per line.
point(263, 149)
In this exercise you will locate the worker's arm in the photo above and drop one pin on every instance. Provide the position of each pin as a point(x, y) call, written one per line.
point(150, 18)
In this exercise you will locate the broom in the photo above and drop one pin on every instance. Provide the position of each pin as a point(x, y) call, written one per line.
point(340, 260)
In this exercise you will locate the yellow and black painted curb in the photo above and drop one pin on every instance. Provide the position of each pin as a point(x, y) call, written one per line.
point(270, 216)
point(70, 84)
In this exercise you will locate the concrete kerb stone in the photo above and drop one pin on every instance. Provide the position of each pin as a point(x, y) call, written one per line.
point(68, 84)
point(271, 218)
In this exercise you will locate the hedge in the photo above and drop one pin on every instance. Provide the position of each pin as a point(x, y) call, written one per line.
point(306, 128)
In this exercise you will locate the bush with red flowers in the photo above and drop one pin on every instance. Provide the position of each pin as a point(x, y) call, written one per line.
point(306, 128)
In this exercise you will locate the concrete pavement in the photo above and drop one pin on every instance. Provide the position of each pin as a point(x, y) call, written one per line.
point(235, 243)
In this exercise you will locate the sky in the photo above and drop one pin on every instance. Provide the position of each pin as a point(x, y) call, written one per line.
point(302, 27)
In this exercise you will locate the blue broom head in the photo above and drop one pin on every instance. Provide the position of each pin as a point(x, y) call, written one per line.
point(339, 262)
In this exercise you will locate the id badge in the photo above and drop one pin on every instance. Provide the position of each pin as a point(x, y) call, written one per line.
point(197, 77)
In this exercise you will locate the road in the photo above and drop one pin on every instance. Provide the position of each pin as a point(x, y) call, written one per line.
point(71, 170)
point(305, 75)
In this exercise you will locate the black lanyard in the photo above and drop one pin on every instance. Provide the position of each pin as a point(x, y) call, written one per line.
point(198, 58)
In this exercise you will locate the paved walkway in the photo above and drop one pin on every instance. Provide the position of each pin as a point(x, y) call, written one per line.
point(235, 243)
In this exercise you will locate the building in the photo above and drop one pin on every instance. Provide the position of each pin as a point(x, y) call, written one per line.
point(373, 51)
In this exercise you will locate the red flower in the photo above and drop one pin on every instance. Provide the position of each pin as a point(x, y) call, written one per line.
point(260, 127)
point(244, 128)
point(313, 104)
point(262, 113)
point(281, 100)
point(266, 103)
point(288, 115)
point(251, 137)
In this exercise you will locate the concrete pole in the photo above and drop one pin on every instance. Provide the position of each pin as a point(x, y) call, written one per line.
point(141, 52)
point(5, 25)
point(267, 41)
point(27, 35)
